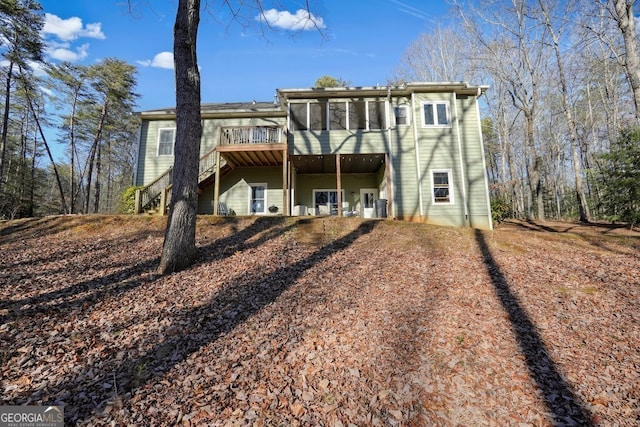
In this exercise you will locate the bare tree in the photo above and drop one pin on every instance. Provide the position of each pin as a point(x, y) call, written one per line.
point(440, 55)
point(622, 13)
point(555, 34)
point(513, 52)
point(179, 248)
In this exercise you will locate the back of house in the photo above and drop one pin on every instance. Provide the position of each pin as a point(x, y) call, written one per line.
point(411, 152)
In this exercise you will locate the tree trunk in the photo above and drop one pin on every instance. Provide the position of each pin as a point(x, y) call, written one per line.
point(179, 249)
point(96, 199)
point(92, 156)
point(583, 208)
point(109, 197)
point(32, 186)
point(626, 22)
point(94, 148)
point(72, 149)
point(46, 145)
point(5, 123)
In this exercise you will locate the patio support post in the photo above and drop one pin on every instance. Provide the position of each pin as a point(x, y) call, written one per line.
point(387, 173)
point(339, 184)
point(285, 183)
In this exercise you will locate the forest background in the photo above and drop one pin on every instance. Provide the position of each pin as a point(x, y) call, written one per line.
point(559, 120)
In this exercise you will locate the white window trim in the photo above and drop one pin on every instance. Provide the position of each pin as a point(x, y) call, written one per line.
point(258, 184)
point(435, 112)
point(319, 190)
point(407, 115)
point(452, 200)
point(158, 143)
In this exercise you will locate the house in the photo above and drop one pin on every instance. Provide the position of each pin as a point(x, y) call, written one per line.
point(411, 152)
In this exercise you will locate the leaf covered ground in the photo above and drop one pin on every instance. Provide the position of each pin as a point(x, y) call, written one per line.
point(326, 321)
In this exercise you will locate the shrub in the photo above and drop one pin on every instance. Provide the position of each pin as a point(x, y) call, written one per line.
point(500, 210)
point(128, 200)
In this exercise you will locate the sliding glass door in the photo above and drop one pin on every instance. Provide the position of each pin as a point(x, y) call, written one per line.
point(325, 202)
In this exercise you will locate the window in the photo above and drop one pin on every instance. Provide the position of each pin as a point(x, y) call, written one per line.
point(257, 199)
point(377, 116)
point(318, 115)
point(435, 114)
point(166, 138)
point(298, 114)
point(442, 188)
point(355, 114)
point(402, 115)
point(325, 202)
point(337, 115)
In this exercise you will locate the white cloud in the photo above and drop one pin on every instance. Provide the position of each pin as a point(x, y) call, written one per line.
point(71, 28)
point(161, 60)
point(302, 20)
point(62, 53)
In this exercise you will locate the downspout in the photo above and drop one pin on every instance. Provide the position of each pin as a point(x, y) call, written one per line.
point(390, 191)
point(135, 170)
point(415, 143)
point(484, 163)
point(462, 174)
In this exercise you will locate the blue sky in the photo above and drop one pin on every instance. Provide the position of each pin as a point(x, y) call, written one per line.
point(363, 43)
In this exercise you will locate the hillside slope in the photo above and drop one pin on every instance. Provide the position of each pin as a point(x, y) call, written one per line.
point(323, 321)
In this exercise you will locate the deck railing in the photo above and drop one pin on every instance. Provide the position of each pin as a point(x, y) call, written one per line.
point(159, 191)
point(251, 135)
point(148, 195)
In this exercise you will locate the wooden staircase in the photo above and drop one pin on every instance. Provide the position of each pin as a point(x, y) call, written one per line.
point(156, 196)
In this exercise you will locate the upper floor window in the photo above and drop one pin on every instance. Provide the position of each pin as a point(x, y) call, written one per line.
point(318, 115)
point(402, 115)
point(435, 114)
point(166, 139)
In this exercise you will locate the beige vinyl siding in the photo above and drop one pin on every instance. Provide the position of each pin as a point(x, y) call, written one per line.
point(351, 184)
point(403, 168)
point(415, 151)
point(472, 160)
point(234, 188)
point(338, 141)
point(438, 150)
point(150, 165)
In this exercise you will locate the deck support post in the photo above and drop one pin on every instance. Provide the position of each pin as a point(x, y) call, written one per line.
point(285, 183)
point(136, 206)
point(387, 173)
point(163, 202)
point(339, 184)
point(216, 185)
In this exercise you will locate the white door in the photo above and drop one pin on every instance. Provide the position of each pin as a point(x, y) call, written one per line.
point(368, 198)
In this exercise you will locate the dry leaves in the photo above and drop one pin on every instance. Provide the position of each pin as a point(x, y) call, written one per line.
point(327, 321)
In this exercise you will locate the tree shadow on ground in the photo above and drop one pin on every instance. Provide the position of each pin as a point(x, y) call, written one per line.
point(608, 237)
point(564, 406)
point(231, 306)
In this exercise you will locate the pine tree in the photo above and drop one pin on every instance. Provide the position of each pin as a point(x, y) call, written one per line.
point(620, 178)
